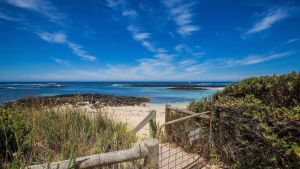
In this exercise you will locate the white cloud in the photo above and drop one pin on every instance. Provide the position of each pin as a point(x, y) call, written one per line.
point(187, 62)
point(77, 50)
point(160, 67)
point(181, 14)
point(61, 38)
point(7, 17)
point(61, 61)
point(114, 3)
point(57, 37)
point(179, 47)
point(186, 30)
point(161, 50)
point(193, 51)
point(130, 13)
point(137, 33)
point(292, 40)
point(255, 59)
point(248, 60)
point(149, 46)
point(44, 7)
point(269, 19)
point(141, 36)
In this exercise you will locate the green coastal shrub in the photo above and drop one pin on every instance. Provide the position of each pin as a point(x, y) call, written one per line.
point(279, 91)
point(256, 122)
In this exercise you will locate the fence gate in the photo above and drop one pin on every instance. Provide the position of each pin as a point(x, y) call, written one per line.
point(183, 139)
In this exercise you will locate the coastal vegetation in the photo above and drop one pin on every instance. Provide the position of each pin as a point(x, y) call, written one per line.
point(38, 133)
point(256, 122)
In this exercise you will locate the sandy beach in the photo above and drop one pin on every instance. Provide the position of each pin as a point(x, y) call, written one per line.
point(132, 115)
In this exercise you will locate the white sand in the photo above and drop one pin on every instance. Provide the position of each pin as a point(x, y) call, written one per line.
point(215, 88)
point(132, 115)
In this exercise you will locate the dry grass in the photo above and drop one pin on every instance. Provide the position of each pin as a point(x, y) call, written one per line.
point(32, 136)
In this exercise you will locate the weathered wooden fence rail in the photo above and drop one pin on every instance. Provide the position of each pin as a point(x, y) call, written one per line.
point(147, 119)
point(148, 150)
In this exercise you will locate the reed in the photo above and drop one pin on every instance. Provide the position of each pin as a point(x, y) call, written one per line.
point(41, 135)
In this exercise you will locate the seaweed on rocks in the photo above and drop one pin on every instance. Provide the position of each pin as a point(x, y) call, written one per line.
point(74, 99)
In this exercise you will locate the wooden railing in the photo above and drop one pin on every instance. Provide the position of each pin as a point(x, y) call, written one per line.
point(169, 109)
point(148, 149)
point(150, 117)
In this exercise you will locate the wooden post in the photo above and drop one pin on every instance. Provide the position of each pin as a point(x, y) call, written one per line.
point(153, 128)
point(167, 118)
point(152, 159)
point(167, 113)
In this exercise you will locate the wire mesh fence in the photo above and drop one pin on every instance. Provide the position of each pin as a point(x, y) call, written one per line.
point(134, 164)
point(183, 141)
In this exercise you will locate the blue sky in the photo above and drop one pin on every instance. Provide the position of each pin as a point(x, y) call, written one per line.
point(147, 40)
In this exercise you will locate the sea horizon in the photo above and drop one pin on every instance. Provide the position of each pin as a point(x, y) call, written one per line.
point(12, 91)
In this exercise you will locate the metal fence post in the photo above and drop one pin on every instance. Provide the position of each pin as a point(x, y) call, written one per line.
point(152, 159)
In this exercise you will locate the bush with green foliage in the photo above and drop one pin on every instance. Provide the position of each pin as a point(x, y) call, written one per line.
point(256, 122)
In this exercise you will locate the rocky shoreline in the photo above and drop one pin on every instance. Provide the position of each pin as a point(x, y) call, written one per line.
point(79, 99)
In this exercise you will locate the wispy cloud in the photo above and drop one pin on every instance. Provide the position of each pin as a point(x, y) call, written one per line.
point(133, 27)
point(114, 3)
point(61, 38)
point(130, 13)
point(191, 51)
point(77, 50)
point(268, 19)
point(61, 61)
point(255, 59)
point(292, 40)
point(181, 14)
point(159, 67)
point(57, 37)
point(137, 34)
point(143, 37)
point(48, 9)
point(7, 17)
point(248, 60)
point(162, 65)
point(44, 7)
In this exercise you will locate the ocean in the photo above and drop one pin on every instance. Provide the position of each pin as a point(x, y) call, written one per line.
point(11, 91)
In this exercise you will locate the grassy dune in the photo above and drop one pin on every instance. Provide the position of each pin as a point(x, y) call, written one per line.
point(33, 136)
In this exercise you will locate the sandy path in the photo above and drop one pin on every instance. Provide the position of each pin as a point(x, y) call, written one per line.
point(132, 115)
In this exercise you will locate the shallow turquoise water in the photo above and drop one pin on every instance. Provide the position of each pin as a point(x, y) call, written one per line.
point(10, 91)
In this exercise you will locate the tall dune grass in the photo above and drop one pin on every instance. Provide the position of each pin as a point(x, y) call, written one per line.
point(33, 136)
